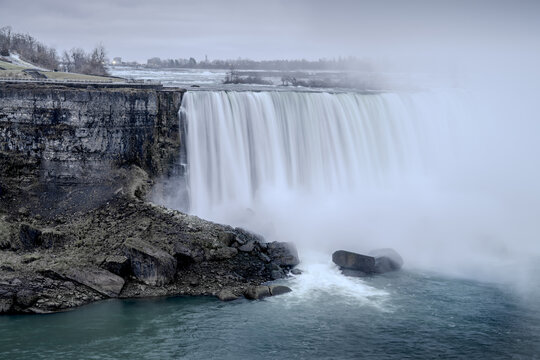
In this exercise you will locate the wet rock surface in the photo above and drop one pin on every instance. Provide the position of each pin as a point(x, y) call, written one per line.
point(77, 164)
point(379, 261)
point(130, 248)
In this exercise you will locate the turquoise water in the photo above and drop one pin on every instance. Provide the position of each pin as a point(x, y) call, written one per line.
point(398, 315)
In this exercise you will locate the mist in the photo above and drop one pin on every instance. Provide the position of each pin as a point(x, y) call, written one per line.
point(471, 211)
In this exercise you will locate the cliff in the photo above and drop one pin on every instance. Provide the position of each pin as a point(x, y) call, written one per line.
point(57, 138)
point(77, 163)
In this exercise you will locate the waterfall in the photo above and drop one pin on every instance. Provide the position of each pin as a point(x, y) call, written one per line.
point(240, 144)
point(422, 172)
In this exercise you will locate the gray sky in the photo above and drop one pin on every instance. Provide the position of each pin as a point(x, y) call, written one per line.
point(137, 29)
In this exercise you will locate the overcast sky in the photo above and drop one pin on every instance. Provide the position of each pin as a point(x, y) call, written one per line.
point(270, 29)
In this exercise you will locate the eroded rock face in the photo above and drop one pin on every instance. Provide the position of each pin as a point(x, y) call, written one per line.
point(64, 141)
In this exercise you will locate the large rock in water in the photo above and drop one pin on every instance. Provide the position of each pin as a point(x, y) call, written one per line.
point(379, 261)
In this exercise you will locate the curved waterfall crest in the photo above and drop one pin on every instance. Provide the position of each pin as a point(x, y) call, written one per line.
point(239, 143)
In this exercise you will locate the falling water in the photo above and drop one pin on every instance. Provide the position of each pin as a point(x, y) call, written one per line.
point(243, 143)
point(356, 171)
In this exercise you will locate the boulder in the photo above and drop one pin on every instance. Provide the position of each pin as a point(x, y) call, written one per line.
point(186, 255)
point(257, 292)
point(353, 261)
point(29, 236)
point(380, 261)
point(222, 253)
point(150, 264)
point(227, 295)
point(283, 254)
point(54, 239)
point(102, 281)
point(247, 247)
point(6, 301)
point(279, 289)
point(26, 298)
point(227, 238)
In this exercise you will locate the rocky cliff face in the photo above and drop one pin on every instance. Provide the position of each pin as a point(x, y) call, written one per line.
point(57, 138)
point(76, 166)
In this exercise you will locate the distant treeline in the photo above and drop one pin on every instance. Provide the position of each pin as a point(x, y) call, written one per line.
point(348, 63)
point(35, 52)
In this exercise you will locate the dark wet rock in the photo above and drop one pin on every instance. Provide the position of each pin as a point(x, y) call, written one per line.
point(243, 236)
point(150, 264)
point(29, 236)
point(51, 238)
point(227, 238)
point(117, 264)
point(296, 271)
point(100, 280)
point(283, 254)
point(277, 274)
point(227, 295)
point(223, 253)
point(186, 254)
point(279, 289)
point(353, 273)
point(381, 261)
point(257, 292)
point(354, 261)
point(26, 298)
point(6, 302)
point(264, 257)
point(247, 247)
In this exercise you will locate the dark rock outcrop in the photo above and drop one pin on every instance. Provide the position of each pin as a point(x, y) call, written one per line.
point(118, 265)
point(263, 291)
point(77, 164)
point(60, 143)
point(283, 254)
point(380, 261)
point(227, 295)
point(150, 264)
point(279, 289)
point(257, 292)
point(29, 237)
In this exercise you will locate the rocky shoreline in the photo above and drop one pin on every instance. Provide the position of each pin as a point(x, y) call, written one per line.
point(129, 248)
point(77, 163)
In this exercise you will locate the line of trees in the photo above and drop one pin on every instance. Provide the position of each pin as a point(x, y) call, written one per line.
point(78, 61)
point(345, 63)
point(29, 49)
